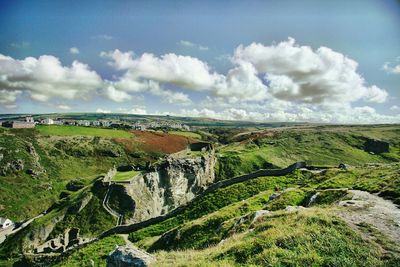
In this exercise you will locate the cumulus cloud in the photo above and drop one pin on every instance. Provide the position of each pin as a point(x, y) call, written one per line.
point(357, 115)
point(139, 110)
point(183, 71)
point(298, 73)
point(44, 78)
point(393, 70)
point(395, 108)
point(74, 50)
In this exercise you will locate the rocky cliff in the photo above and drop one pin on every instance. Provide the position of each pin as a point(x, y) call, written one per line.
point(172, 184)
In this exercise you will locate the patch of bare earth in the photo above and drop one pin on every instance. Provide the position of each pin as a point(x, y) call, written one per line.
point(365, 208)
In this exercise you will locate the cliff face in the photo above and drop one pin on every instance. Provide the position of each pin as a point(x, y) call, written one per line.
point(175, 183)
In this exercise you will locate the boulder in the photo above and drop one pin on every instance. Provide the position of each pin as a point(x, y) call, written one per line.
point(127, 256)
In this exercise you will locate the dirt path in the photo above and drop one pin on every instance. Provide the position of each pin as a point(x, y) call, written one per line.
point(374, 210)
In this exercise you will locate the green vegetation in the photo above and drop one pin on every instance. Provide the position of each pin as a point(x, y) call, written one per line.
point(308, 238)
point(95, 252)
point(321, 146)
point(219, 199)
point(124, 176)
point(65, 130)
point(186, 134)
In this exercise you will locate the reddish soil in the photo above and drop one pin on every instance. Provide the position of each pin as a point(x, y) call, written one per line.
point(155, 141)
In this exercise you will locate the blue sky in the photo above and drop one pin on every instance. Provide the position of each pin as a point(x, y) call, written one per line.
point(209, 31)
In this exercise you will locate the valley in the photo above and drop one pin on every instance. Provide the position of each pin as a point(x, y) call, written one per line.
point(214, 195)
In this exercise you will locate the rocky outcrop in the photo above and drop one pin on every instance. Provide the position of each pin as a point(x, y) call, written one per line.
point(376, 146)
point(174, 183)
point(128, 256)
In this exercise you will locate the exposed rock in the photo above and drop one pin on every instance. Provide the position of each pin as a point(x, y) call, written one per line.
point(17, 165)
point(175, 183)
point(294, 208)
point(343, 166)
point(127, 256)
point(376, 146)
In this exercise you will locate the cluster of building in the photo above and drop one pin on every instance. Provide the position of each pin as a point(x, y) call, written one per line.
point(142, 126)
point(29, 122)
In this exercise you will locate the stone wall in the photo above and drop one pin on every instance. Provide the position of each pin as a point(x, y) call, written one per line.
point(123, 229)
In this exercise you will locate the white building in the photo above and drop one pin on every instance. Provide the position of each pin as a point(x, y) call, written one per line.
point(5, 223)
point(47, 121)
point(84, 123)
point(96, 123)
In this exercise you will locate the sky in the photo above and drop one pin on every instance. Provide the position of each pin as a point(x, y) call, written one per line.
point(305, 61)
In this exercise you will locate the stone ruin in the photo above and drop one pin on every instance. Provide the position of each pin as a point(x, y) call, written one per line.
point(60, 243)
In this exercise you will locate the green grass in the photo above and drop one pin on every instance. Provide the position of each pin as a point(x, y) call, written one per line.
point(65, 130)
point(186, 134)
point(124, 176)
point(317, 147)
point(308, 238)
point(96, 252)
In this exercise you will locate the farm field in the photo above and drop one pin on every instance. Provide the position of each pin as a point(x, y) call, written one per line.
point(186, 134)
point(65, 130)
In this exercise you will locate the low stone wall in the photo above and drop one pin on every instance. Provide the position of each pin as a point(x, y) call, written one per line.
point(123, 229)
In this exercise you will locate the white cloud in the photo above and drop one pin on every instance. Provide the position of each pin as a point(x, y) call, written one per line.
point(357, 115)
point(64, 107)
point(100, 110)
point(45, 77)
point(139, 110)
point(297, 73)
point(116, 95)
point(185, 43)
point(394, 70)
point(395, 108)
point(74, 50)
point(183, 71)
point(190, 44)
point(21, 45)
point(103, 37)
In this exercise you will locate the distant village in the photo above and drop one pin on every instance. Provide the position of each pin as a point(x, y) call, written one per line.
point(30, 122)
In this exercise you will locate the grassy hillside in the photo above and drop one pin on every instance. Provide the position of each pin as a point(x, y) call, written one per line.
point(219, 229)
point(323, 146)
point(64, 153)
point(65, 130)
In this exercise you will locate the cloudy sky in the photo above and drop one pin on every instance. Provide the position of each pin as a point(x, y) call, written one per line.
point(316, 61)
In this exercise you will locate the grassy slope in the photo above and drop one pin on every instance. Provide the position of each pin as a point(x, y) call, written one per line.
point(65, 130)
point(96, 252)
point(186, 134)
point(317, 146)
point(311, 236)
point(308, 238)
point(64, 158)
point(123, 176)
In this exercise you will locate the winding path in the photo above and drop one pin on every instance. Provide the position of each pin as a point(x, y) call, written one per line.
point(109, 209)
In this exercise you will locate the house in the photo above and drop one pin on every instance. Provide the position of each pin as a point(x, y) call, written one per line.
point(29, 119)
point(5, 223)
point(83, 123)
point(18, 124)
point(96, 123)
point(47, 121)
point(105, 123)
